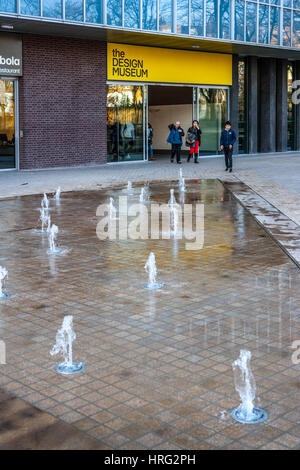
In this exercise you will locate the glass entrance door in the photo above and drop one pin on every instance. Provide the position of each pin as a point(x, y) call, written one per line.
point(210, 108)
point(125, 123)
point(7, 124)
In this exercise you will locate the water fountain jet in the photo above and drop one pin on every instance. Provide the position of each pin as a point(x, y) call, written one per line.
point(64, 339)
point(150, 268)
point(245, 385)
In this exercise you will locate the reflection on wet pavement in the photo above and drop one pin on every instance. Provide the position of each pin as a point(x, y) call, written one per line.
point(158, 362)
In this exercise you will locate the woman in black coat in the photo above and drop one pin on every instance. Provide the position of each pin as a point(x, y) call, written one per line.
point(193, 140)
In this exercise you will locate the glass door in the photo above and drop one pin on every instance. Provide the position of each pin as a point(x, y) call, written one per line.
point(7, 124)
point(125, 123)
point(213, 113)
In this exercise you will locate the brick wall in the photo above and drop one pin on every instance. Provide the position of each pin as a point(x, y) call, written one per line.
point(62, 102)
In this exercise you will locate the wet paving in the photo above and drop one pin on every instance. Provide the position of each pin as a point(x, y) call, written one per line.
point(158, 363)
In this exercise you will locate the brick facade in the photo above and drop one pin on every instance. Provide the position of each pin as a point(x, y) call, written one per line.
point(62, 102)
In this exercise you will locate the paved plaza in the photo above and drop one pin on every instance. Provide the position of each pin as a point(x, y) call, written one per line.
point(159, 372)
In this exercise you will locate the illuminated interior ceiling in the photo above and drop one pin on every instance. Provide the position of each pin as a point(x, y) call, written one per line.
point(157, 39)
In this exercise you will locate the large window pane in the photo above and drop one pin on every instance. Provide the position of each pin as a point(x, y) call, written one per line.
point(183, 16)
point(263, 32)
point(124, 123)
point(296, 29)
point(52, 8)
point(197, 17)
point(9, 6)
point(94, 11)
point(30, 7)
point(7, 124)
point(274, 25)
point(292, 121)
point(74, 10)
point(287, 3)
point(251, 15)
point(243, 111)
point(296, 4)
point(213, 113)
point(166, 15)
point(149, 14)
point(212, 18)
point(239, 20)
point(286, 32)
point(114, 12)
point(225, 19)
point(132, 13)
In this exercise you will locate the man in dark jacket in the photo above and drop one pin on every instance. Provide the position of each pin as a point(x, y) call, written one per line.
point(227, 140)
point(175, 139)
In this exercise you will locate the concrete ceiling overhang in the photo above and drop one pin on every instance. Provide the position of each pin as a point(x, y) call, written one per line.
point(92, 31)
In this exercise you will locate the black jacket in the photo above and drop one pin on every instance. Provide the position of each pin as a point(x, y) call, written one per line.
point(193, 135)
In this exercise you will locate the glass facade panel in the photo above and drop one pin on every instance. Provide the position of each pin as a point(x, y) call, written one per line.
point(150, 14)
point(287, 3)
point(166, 16)
point(212, 18)
point(263, 32)
point(9, 6)
point(296, 4)
point(94, 11)
point(132, 14)
point(286, 31)
point(197, 17)
point(243, 108)
point(74, 10)
point(225, 19)
point(7, 124)
point(30, 7)
point(125, 123)
point(52, 8)
point(182, 14)
point(213, 113)
point(291, 138)
point(239, 20)
point(296, 29)
point(251, 15)
point(274, 25)
point(114, 12)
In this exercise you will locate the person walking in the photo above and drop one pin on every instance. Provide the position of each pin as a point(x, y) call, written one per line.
point(227, 141)
point(175, 139)
point(193, 140)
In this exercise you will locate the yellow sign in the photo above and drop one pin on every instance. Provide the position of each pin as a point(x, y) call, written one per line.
point(152, 64)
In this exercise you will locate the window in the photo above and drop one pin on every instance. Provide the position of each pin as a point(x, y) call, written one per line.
point(239, 20)
point(132, 13)
point(52, 8)
point(166, 15)
point(286, 31)
point(182, 16)
point(10, 6)
point(225, 19)
point(243, 108)
point(296, 29)
point(30, 7)
point(263, 33)
point(149, 14)
point(74, 10)
point(251, 15)
point(114, 12)
point(197, 17)
point(211, 18)
point(274, 26)
point(94, 11)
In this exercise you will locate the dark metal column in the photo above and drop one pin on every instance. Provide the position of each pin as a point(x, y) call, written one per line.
point(267, 105)
point(252, 104)
point(281, 105)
